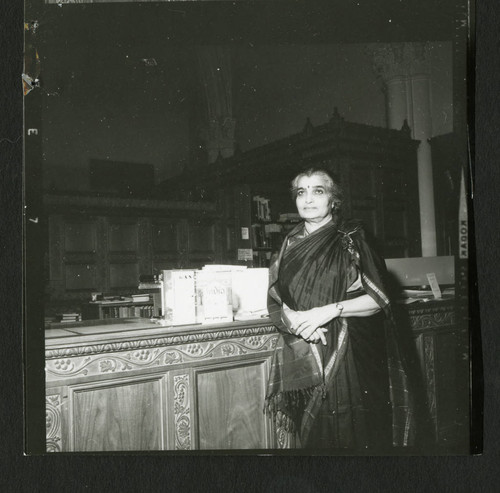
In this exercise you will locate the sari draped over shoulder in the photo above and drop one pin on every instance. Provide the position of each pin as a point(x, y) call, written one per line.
point(353, 392)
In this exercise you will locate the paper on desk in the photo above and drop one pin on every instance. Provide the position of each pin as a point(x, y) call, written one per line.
point(417, 292)
point(247, 315)
point(407, 301)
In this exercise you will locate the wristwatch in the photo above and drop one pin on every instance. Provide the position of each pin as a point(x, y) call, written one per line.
point(339, 307)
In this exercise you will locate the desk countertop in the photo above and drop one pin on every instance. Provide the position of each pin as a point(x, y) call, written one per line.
point(144, 332)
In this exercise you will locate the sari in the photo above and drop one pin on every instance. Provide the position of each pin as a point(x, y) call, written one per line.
point(353, 392)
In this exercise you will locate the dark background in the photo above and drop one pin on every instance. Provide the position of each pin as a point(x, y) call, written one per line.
point(114, 107)
point(122, 83)
point(305, 474)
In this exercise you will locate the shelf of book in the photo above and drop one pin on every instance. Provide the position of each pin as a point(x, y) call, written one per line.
point(268, 228)
point(96, 310)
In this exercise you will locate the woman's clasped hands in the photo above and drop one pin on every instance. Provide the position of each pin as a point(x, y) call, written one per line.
point(309, 324)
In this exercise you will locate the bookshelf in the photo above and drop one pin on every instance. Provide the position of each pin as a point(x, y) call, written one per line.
point(259, 223)
point(268, 230)
point(376, 167)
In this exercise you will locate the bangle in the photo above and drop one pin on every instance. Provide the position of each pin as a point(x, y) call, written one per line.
point(340, 308)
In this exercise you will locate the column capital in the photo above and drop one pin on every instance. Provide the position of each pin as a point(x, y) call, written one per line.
point(400, 60)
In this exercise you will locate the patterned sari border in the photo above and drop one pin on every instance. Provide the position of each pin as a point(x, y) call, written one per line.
point(372, 286)
point(340, 344)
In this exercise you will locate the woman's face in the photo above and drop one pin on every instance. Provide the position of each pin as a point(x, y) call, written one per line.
point(313, 201)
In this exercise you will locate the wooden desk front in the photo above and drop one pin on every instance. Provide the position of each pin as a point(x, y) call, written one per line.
point(133, 385)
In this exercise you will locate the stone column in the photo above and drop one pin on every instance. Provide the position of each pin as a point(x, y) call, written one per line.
point(218, 124)
point(405, 70)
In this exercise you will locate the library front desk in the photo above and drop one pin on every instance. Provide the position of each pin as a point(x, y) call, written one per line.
point(131, 385)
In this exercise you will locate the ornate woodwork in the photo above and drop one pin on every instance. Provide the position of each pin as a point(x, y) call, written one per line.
point(442, 350)
point(133, 385)
point(53, 422)
point(136, 386)
point(182, 414)
point(126, 414)
point(377, 167)
point(104, 244)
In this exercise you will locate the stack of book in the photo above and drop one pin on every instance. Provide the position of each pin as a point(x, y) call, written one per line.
point(149, 281)
point(274, 235)
point(267, 235)
point(69, 317)
point(259, 239)
point(250, 293)
point(210, 295)
point(214, 296)
point(262, 258)
point(142, 311)
point(152, 285)
point(139, 298)
point(178, 296)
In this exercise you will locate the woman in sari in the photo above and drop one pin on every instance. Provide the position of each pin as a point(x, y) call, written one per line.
point(336, 378)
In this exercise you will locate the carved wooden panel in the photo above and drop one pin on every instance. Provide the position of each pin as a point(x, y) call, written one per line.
point(190, 389)
point(419, 343)
point(230, 243)
point(442, 315)
point(80, 236)
point(103, 253)
point(54, 422)
point(182, 398)
point(368, 215)
point(118, 415)
point(430, 374)
point(230, 402)
point(393, 183)
point(165, 236)
point(86, 231)
point(202, 237)
point(438, 346)
point(80, 276)
point(124, 357)
point(123, 275)
point(145, 250)
point(362, 182)
point(123, 237)
point(361, 194)
point(450, 386)
point(160, 264)
point(395, 220)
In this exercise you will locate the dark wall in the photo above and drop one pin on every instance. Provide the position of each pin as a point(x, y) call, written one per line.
point(118, 84)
